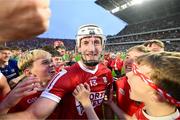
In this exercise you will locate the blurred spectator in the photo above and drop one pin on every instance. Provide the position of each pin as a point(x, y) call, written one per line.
point(154, 45)
point(8, 66)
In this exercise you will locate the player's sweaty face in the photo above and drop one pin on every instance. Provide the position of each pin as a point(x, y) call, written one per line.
point(91, 47)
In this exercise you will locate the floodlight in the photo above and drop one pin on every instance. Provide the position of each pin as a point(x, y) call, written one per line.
point(115, 10)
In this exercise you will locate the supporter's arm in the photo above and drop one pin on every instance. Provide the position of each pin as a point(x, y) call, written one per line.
point(23, 19)
point(119, 112)
point(23, 89)
point(108, 100)
point(81, 93)
point(15, 81)
point(41, 109)
point(108, 113)
point(4, 87)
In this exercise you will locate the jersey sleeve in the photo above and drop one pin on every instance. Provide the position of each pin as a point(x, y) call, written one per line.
point(58, 86)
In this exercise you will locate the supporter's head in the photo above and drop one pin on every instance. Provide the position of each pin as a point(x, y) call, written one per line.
point(37, 63)
point(5, 54)
point(154, 73)
point(90, 43)
point(57, 61)
point(16, 51)
point(61, 50)
point(154, 45)
point(58, 43)
point(132, 54)
point(113, 55)
point(106, 55)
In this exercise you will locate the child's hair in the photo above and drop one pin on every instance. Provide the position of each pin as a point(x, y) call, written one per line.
point(165, 70)
point(27, 58)
point(139, 48)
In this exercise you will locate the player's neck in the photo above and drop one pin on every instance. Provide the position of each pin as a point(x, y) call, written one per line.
point(89, 67)
point(159, 109)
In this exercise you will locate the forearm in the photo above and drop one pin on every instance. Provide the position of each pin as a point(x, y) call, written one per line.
point(21, 115)
point(119, 112)
point(91, 113)
point(89, 110)
point(3, 108)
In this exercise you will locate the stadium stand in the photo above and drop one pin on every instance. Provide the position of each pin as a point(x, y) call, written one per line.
point(39, 43)
point(152, 19)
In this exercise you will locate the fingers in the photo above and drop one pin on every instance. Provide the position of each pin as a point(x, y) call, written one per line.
point(79, 88)
point(28, 81)
point(26, 87)
point(86, 85)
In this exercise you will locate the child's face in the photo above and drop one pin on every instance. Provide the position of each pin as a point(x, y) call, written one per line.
point(139, 90)
point(43, 69)
point(131, 56)
point(57, 61)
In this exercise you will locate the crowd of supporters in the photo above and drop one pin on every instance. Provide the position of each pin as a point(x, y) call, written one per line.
point(152, 25)
point(39, 43)
point(163, 34)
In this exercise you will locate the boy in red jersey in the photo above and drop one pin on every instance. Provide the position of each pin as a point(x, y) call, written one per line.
point(35, 64)
point(90, 44)
point(154, 80)
point(122, 87)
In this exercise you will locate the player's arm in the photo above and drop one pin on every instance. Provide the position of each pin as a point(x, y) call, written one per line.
point(81, 93)
point(41, 109)
point(4, 87)
point(23, 89)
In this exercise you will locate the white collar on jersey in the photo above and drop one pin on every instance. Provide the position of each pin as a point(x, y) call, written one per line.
point(172, 116)
point(86, 69)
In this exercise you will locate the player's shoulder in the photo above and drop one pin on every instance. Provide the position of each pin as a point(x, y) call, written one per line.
point(69, 71)
point(102, 67)
point(73, 69)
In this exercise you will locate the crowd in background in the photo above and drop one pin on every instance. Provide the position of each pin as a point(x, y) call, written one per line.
point(152, 25)
point(46, 78)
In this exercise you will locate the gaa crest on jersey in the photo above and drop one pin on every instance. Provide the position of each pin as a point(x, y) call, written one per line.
point(121, 91)
point(105, 80)
point(93, 81)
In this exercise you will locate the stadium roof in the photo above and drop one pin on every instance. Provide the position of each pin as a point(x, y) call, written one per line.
point(135, 11)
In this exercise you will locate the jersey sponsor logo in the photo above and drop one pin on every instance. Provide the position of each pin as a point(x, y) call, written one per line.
point(96, 100)
point(12, 70)
point(32, 100)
